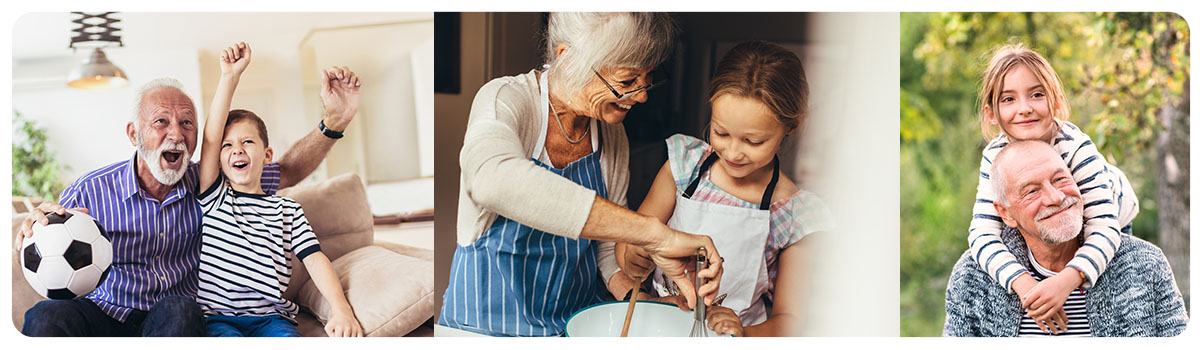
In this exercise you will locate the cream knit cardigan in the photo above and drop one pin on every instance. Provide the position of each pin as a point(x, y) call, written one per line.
point(498, 177)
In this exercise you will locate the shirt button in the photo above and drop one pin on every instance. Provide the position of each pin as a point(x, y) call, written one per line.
point(162, 278)
point(162, 234)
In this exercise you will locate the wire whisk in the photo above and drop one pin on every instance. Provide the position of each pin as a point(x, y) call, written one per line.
point(700, 313)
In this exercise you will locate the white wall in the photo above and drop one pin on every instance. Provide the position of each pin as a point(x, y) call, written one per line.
point(385, 130)
point(86, 129)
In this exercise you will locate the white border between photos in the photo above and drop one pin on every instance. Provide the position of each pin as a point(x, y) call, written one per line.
point(13, 10)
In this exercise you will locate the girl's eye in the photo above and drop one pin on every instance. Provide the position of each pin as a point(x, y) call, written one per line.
point(720, 134)
point(1039, 94)
point(756, 143)
point(1006, 99)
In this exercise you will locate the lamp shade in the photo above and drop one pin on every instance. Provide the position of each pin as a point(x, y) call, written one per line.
point(97, 73)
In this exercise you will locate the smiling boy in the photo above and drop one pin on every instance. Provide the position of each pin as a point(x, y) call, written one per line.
point(250, 238)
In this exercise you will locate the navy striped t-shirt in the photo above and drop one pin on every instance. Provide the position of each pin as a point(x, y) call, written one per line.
point(248, 243)
point(156, 244)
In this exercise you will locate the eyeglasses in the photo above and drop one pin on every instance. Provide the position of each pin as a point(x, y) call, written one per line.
point(656, 77)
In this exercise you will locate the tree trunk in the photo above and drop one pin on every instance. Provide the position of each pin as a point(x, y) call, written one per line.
point(1173, 182)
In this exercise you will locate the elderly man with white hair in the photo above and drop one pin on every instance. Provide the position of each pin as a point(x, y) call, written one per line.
point(147, 205)
point(545, 167)
point(1040, 203)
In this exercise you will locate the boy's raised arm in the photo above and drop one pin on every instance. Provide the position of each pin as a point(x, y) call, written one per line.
point(234, 60)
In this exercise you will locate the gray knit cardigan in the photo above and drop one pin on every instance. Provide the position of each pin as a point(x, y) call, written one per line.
point(1135, 297)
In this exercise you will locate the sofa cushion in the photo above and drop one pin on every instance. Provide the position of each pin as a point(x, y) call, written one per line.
point(365, 272)
point(338, 212)
point(23, 296)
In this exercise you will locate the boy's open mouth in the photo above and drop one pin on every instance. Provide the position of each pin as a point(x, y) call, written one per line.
point(241, 164)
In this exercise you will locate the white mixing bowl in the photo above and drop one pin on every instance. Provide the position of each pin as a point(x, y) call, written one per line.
point(650, 319)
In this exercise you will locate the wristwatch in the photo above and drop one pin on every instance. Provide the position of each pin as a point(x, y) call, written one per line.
point(330, 133)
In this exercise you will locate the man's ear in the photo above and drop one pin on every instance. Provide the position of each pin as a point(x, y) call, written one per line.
point(131, 132)
point(1004, 214)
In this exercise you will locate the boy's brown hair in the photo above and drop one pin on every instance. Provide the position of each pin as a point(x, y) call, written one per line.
point(1004, 60)
point(765, 72)
point(238, 115)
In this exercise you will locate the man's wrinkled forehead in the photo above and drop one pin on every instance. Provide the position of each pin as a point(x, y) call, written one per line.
point(167, 98)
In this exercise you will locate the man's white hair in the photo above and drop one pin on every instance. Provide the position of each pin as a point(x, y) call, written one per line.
point(597, 40)
point(997, 175)
point(144, 90)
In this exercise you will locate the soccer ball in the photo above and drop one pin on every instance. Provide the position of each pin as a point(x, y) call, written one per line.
point(67, 258)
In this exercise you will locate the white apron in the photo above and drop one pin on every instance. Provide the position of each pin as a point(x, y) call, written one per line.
point(740, 235)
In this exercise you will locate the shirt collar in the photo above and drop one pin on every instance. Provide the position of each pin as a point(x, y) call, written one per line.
point(127, 184)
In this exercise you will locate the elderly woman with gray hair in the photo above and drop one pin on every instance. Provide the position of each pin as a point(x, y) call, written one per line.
point(544, 173)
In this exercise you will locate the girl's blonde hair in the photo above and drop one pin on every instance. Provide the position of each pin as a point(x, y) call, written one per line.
point(765, 72)
point(1004, 60)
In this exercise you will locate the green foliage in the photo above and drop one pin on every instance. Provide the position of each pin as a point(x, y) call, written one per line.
point(35, 173)
point(1118, 70)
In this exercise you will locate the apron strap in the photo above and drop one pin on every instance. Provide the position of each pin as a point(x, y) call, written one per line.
point(765, 204)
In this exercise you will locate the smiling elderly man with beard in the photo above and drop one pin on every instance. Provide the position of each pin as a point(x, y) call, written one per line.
point(148, 206)
point(1041, 206)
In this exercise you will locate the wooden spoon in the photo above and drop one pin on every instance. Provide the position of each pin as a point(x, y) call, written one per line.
point(629, 311)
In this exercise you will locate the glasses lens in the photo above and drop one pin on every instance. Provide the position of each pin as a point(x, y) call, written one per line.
point(655, 79)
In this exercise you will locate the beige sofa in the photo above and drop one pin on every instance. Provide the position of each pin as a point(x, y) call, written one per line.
point(389, 286)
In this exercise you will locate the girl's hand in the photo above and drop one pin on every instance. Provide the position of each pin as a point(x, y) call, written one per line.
point(638, 263)
point(343, 324)
point(620, 284)
point(235, 59)
point(1023, 284)
point(1045, 300)
point(677, 300)
point(724, 321)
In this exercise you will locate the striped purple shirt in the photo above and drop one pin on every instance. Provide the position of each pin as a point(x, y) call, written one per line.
point(156, 245)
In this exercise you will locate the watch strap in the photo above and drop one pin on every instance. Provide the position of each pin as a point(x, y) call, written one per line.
point(330, 133)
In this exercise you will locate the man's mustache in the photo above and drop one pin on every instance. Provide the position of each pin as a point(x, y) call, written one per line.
point(1067, 202)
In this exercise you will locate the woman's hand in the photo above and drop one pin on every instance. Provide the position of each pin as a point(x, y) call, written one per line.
point(343, 324)
point(724, 321)
point(672, 255)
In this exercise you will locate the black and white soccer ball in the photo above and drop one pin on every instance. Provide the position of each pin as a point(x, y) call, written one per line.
point(68, 257)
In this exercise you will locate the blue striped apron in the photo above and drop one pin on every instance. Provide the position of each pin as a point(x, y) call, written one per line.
point(518, 281)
